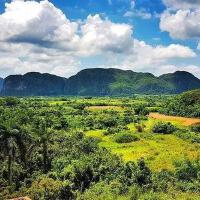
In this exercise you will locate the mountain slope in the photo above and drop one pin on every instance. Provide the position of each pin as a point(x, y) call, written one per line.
point(130, 82)
point(181, 81)
point(99, 82)
point(114, 82)
point(33, 84)
point(1, 83)
point(90, 82)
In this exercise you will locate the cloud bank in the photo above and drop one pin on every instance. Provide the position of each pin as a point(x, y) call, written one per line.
point(37, 36)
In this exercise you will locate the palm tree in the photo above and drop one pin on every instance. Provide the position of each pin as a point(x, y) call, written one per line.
point(24, 142)
point(43, 132)
point(12, 143)
point(8, 146)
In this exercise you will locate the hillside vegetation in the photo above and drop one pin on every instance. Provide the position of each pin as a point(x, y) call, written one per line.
point(96, 148)
point(186, 104)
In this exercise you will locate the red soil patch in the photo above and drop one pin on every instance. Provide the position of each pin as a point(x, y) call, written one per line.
point(183, 120)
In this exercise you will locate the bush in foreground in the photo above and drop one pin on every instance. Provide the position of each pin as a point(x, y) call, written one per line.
point(196, 128)
point(164, 128)
point(125, 138)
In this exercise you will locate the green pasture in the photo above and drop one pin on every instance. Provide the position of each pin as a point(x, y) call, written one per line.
point(159, 151)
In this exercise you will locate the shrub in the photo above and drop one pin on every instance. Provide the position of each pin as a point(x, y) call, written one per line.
point(45, 188)
point(125, 138)
point(165, 128)
point(187, 135)
point(114, 130)
point(196, 128)
point(11, 101)
point(102, 190)
point(141, 110)
point(139, 128)
point(187, 170)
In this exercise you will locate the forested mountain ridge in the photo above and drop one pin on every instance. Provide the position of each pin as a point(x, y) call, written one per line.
point(99, 82)
point(33, 83)
point(114, 82)
point(181, 81)
point(1, 83)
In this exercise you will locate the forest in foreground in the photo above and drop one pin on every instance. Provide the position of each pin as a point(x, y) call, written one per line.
point(95, 148)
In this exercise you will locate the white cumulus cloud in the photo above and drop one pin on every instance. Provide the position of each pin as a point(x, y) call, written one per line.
point(145, 54)
point(102, 35)
point(36, 22)
point(182, 24)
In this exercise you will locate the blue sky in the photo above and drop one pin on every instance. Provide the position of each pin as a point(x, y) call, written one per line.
point(63, 37)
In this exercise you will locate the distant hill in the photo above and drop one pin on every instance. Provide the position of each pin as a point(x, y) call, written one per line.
point(181, 81)
point(114, 82)
point(33, 84)
point(98, 82)
point(1, 83)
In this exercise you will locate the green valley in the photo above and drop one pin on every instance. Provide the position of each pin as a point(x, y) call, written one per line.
point(99, 147)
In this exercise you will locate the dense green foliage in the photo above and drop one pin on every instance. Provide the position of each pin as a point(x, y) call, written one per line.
point(45, 153)
point(99, 82)
point(186, 104)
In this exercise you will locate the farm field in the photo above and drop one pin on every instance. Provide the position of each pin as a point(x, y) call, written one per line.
point(82, 147)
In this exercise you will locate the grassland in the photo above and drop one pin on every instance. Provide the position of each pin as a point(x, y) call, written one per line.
point(159, 151)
